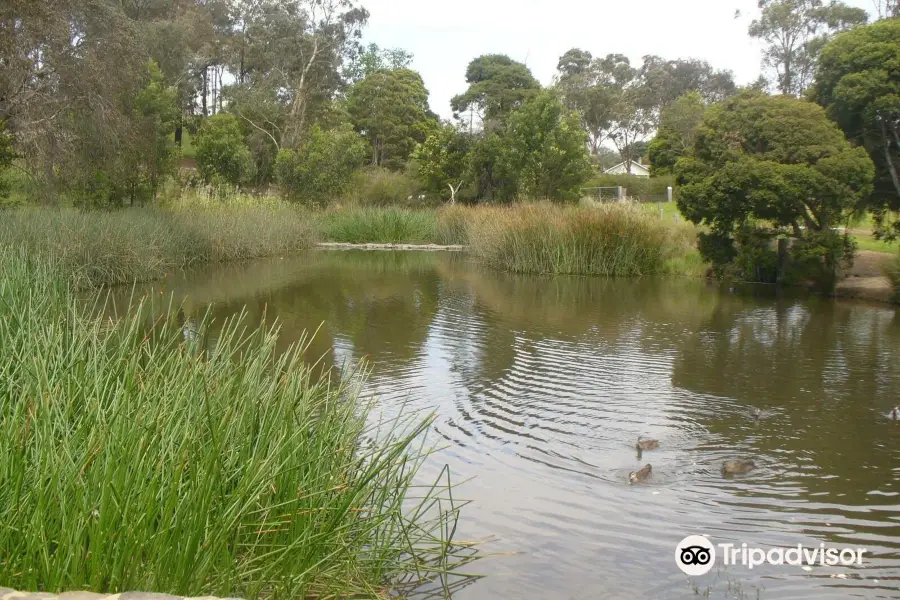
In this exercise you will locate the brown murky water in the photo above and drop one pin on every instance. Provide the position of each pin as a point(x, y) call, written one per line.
point(542, 386)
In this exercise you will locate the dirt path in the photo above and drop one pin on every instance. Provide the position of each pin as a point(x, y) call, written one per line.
point(866, 279)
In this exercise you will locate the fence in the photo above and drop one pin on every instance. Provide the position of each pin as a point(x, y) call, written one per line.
point(604, 194)
point(610, 194)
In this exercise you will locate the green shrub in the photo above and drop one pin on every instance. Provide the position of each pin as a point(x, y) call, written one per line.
point(377, 186)
point(222, 155)
point(320, 170)
point(370, 225)
point(134, 459)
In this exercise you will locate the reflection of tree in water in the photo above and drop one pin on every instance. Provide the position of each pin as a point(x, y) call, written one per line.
point(381, 302)
point(825, 369)
point(647, 314)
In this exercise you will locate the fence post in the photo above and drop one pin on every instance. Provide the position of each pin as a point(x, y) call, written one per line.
point(659, 204)
point(669, 194)
point(620, 191)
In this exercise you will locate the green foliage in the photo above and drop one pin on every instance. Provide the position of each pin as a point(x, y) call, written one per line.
point(377, 186)
point(139, 244)
point(858, 82)
point(138, 459)
point(497, 86)
point(443, 160)
point(320, 170)
point(795, 31)
point(390, 108)
point(547, 147)
point(678, 125)
point(222, 155)
point(7, 155)
point(775, 161)
point(611, 240)
point(388, 225)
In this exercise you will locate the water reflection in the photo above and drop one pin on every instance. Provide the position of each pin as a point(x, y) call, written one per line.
point(543, 385)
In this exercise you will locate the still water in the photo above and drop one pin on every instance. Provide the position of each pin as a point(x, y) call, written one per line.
point(542, 386)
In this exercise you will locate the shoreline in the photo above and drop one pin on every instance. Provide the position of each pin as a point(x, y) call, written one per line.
point(398, 246)
point(863, 284)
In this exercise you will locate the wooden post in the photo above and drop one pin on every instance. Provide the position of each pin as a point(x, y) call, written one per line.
point(669, 194)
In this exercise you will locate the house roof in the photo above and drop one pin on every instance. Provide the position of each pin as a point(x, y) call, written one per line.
point(634, 164)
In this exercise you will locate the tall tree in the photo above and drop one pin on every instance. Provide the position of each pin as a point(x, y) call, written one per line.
point(858, 82)
point(887, 9)
point(546, 148)
point(390, 108)
point(364, 61)
point(794, 32)
point(293, 52)
point(72, 72)
point(497, 86)
point(677, 132)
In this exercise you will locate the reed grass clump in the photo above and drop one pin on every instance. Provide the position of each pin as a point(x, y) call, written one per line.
point(376, 225)
point(133, 459)
point(139, 244)
point(611, 239)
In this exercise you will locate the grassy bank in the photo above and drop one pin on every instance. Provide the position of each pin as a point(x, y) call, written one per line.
point(140, 244)
point(133, 461)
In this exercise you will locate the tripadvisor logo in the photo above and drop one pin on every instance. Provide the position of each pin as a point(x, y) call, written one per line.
point(696, 555)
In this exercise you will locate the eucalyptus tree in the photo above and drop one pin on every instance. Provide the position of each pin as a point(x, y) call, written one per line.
point(497, 86)
point(794, 32)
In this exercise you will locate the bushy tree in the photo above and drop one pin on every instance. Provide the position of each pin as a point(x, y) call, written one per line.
point(773, 166)
point(390, 109)
point(858, 82)
point(222, 155)
point(547, 148)
point(442, 162)
point(497, 86)
point(320, 169)
point(675, 136)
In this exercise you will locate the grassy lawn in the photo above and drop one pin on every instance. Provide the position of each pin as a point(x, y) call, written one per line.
point(187, 145)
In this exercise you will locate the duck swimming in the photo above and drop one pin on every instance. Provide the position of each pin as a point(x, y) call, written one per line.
point(732, 467)
point(642, 475)
point(643, 444)
point(895, 413)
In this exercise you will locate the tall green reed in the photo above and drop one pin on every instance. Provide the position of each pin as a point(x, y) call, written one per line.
point(611, 240)
point(123, 246)
point(131, 459)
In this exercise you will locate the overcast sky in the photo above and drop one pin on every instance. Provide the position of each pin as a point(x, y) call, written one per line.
point(444, 35)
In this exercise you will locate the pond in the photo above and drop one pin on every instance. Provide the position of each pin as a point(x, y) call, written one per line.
point(541, 387)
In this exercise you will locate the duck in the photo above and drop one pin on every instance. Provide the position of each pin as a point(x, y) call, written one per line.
point(643, 444)
point(755, 413)
point(732, 467)
point(641, 475)
point(895, 413)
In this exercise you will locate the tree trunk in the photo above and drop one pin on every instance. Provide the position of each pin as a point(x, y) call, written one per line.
point(205, 89)
point(887, 156)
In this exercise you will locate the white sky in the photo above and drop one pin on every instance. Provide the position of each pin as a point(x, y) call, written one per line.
point(444, 35)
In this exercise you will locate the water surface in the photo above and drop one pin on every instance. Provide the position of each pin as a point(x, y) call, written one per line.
point(541, 387)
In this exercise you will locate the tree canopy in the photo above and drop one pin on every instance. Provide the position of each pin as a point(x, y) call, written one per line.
point(390, 108)
point(497, 86)
point(776, 165)
point(794, 32)
point(858, 82)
